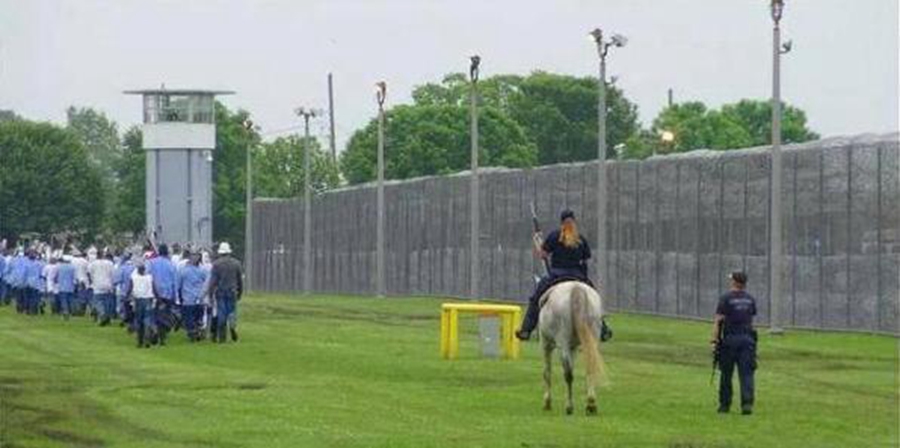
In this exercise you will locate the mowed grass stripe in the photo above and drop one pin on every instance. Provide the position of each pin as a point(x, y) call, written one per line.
point(351, 371)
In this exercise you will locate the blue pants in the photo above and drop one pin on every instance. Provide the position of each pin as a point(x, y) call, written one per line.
point(54, 303)
point(80, 300)
point(32, 301)
point(2, 292)
point(737, 350)
point(105, 304)
point(19, 293)
point(65, 303)
point(226, 312)
point(144, 318)
point(191, 315)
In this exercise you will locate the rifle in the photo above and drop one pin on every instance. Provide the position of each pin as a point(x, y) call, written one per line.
point(537, 230)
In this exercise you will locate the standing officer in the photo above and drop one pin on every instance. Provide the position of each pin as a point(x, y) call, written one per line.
point(737, 343)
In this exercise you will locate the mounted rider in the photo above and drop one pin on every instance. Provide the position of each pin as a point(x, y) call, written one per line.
point(568, 253)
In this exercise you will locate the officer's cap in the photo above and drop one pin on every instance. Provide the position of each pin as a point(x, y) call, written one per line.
point(566, 214)
point(738, 277)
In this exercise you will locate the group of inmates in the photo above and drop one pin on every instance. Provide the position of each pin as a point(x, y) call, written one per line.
point(149, 290)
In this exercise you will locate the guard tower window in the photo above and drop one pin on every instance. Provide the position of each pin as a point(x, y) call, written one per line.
point(178, 108)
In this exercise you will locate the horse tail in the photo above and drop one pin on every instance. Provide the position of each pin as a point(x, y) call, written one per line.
point(583, 318)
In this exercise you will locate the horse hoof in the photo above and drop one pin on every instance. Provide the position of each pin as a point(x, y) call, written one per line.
point(547, 406)
point(591, 409)
point(569, 410)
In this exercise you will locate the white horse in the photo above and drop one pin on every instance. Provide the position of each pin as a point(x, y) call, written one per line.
point(571, 318)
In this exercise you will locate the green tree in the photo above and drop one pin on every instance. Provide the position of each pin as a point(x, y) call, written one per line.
point(47, 183)
point(8, 115)
point(433, 139)
point(557, 112)
point(755, 116)
point(98, 134)
point(740, 125)
point(128, 210)
point(278, 167)
point(100, 137)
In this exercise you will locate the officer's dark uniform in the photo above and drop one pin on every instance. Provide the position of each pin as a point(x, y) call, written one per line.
point(738, 347)
point(565, 262)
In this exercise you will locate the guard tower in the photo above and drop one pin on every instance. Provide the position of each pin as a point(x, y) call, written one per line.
point(179, 138)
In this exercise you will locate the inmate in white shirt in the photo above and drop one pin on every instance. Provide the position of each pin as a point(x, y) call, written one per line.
point(142, 285)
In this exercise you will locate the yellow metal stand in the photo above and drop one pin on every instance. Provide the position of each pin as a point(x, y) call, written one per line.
point(509, 315)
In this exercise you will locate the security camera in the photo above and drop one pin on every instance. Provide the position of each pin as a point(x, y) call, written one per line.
point(619, 40)
point(786, 47)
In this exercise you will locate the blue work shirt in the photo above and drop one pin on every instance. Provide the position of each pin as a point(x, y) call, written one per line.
point(191, 280)
point(122, 277)
point(34, 275)
point(65, 278)
point(2, 267)
point(7, 271)
point(19, 271)
point(165, 277)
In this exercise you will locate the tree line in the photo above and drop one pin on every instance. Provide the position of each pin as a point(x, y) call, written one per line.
point(87, 178)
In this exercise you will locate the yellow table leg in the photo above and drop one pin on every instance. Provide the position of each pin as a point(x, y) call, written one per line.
point(454, 334)
point(506, 334)
point(445, 334)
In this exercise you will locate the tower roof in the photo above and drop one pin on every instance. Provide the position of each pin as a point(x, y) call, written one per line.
point(178, 92)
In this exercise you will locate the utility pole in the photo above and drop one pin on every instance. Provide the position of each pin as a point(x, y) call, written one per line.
point(474, 228)
point(380, 96)
point(307, 114)
point(775, 252)
point(248, 215)
point(602, 50)
point(331, 118)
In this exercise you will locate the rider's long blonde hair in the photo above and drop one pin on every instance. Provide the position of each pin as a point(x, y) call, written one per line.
point(568, 234)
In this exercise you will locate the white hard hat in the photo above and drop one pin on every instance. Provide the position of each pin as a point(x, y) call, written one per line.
point(224, 248)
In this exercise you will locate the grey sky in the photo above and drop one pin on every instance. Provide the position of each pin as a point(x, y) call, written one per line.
point(275, 54)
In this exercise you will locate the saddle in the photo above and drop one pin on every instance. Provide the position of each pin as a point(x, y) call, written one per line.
point(558, 280)
point(606, 332)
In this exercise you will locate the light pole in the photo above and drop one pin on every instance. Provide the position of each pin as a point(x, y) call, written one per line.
point(380, 95)
point(474, 228)
point(775, 253)
point(307, 114)
point(248, 224)
point(617, 40)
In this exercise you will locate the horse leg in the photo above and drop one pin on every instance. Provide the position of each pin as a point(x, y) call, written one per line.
point(569, 376)
point(591, 399)
point(591, 380)
point(548, 352)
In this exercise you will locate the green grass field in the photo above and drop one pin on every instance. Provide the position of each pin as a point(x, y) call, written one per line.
point(340, 371)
